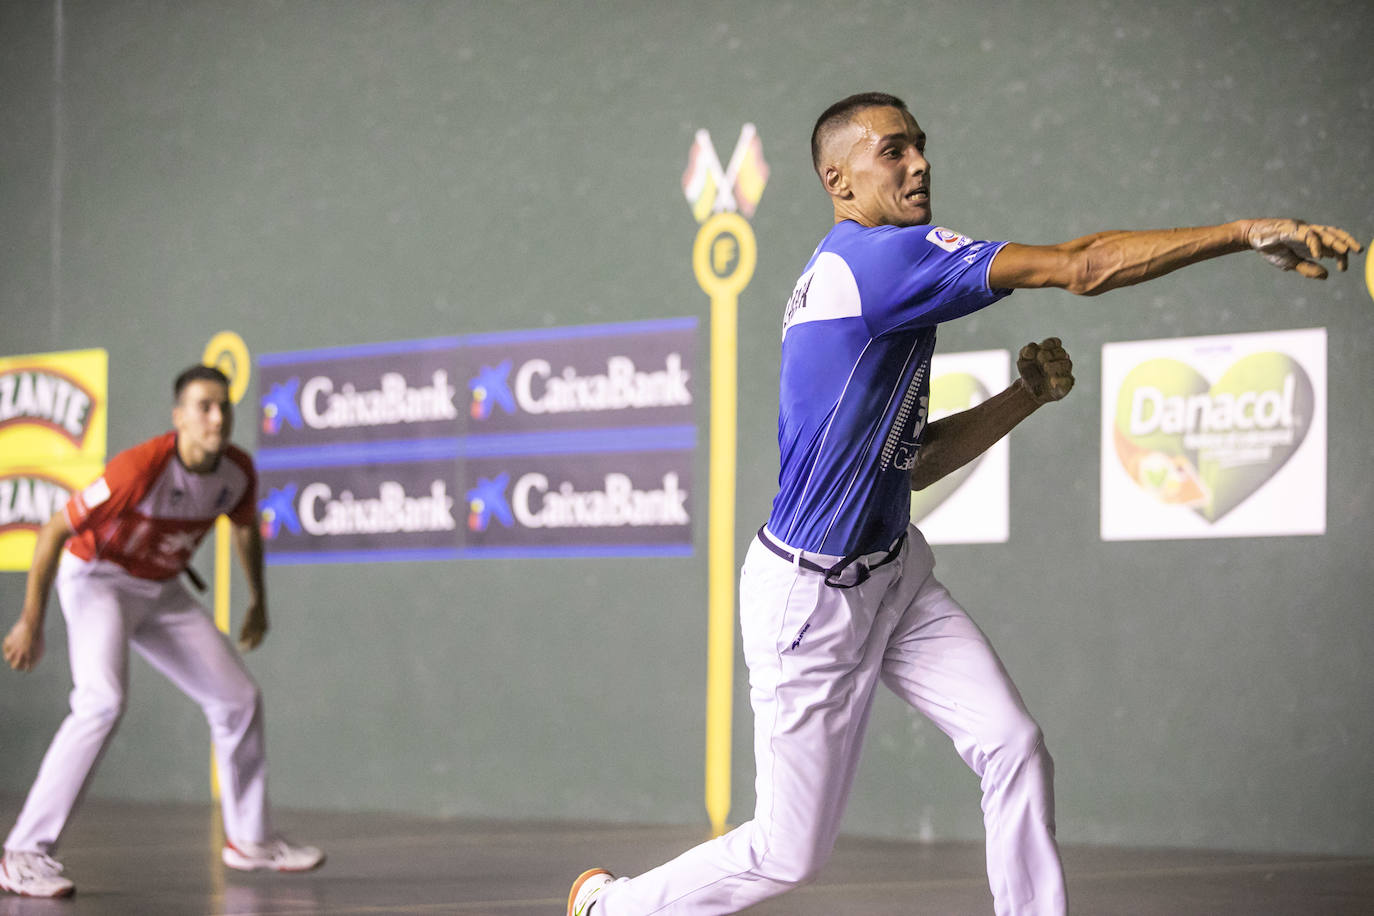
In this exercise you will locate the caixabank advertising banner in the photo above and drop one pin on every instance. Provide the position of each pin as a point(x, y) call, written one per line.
point(53, 409)
point(1220, 436)
point(360, 394)
point(596, 376)
point(572, 441)
point(590, 504)
point(401, 510)
point(969, 506)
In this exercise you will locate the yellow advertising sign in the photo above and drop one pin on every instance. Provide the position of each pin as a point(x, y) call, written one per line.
point(53, 409)
point(29, 497)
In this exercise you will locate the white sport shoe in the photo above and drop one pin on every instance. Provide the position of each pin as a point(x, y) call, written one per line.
point(32, 874)
point(274, 855)
point(586, 889)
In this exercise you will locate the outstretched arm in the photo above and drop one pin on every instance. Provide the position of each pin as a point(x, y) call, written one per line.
point(1046, 374)
point(23, 646)
point(1096, 263)
point(248, 544)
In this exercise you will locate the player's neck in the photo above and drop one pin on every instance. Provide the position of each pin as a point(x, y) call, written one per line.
point(196, 459)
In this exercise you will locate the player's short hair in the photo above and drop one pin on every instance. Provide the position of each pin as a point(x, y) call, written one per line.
point(841, 113)
point(194, 374)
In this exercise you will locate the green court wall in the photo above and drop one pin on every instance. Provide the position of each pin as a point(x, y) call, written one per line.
point(315, 173)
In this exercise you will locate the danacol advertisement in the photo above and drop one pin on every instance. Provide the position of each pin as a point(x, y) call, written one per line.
point(1219, 436)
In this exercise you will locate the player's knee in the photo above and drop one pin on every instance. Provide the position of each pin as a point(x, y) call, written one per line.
point(236, 707)
point(99, 708)
point(1023, 743)
point(794, 865)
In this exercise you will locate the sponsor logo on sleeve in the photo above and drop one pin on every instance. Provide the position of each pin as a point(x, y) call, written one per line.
point(947, 239)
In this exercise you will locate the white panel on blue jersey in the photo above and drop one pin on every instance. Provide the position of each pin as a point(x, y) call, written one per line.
point(824, 292)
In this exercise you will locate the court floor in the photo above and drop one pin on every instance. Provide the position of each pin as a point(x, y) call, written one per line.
point(153, 859)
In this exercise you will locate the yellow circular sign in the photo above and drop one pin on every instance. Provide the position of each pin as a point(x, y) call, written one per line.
point(1369, 269)
point(227, 352)
point(724, 255)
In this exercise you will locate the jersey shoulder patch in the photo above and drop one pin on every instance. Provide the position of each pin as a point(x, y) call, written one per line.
point(95, 494)
point(947, 239)
point(828, 290)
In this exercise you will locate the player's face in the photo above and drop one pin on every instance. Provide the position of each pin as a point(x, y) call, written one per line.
point(203, 418)
point(887, 170)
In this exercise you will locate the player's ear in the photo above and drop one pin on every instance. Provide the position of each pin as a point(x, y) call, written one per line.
point(836, 182)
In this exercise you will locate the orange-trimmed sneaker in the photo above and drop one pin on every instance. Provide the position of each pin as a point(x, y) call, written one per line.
point(586, 889)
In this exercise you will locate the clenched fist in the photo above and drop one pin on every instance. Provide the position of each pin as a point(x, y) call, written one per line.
point(23, 646)
point(1046, 370)
point(1291, 244)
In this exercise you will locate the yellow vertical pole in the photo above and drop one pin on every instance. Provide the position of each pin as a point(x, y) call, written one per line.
point(227, 352)
point(723, 259)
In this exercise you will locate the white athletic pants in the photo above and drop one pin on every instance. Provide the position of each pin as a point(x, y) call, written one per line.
point(815, 655)
point(107, 610)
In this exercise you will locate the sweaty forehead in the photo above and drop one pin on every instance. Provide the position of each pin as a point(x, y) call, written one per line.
point(865, 128)
point(872, 124)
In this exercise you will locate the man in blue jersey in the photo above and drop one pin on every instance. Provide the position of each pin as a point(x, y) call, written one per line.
point(837, 592)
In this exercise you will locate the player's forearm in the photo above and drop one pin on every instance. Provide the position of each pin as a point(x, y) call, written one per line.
point(1111, 260)
point(47, 552)
point(248, 543)
point(953, 441)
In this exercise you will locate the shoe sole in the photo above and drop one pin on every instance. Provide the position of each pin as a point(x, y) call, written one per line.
point(65, 892)
point(251, 866)
point(581, 880)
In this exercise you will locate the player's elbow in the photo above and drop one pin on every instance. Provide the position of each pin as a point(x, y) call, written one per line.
point(1088, 274)
point(921, 478)
point(926, 470)
point(57, 529)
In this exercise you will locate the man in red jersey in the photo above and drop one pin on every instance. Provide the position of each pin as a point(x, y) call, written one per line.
point(128, 536)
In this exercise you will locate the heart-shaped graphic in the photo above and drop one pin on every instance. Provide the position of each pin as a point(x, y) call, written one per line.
point(1209, 447)
point(949, 393)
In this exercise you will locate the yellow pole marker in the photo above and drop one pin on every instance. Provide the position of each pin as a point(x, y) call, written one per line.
point(227, 352)
point(723, 258)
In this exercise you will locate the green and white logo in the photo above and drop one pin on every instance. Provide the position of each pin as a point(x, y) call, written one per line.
point(1205, 428)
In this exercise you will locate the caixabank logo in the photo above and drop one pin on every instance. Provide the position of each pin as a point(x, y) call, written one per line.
point(402, 506)
point(587, 378)
point(490, 389)
point(580, 501)
point(357, 395)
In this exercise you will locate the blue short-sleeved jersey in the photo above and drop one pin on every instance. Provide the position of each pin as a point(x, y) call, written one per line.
point(858, 334)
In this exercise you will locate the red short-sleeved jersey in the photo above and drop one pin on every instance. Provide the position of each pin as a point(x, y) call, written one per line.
point(148, 513)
